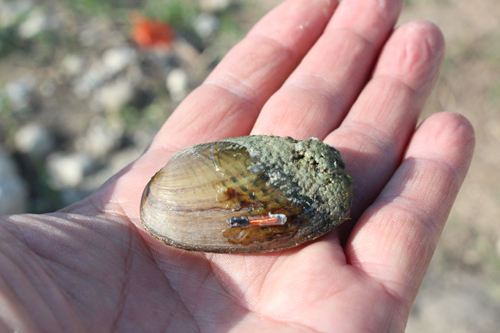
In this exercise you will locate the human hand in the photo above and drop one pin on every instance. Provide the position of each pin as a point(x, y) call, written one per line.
point(309, 68)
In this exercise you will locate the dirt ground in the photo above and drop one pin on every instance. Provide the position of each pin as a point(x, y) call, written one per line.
point(461, 292)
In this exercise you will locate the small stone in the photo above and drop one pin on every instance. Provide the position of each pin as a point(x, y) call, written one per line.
point(116, 162)
point(47, 88)
point(471, 257)
point(214, 5)
point(206, 25)
point(87, 37)
point(11, 11)
point(115, 95)
point(68, 170)
point(117, 59)
point(34, 24)
point(13, 190)
point(90, 80)
point(100, 138)
point(20, 92)
point(177, 84)
point(34, 140)
point(72, 64)
point(191, 58)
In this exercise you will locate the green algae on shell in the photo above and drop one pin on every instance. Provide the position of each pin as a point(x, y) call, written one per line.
point(248, 194)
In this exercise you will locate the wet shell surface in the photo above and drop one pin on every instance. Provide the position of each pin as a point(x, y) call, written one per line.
point(248, 194)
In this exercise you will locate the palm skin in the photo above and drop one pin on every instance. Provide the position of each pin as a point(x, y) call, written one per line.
point(309, 68)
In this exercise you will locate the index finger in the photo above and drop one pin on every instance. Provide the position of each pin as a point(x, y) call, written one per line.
point(230, 99)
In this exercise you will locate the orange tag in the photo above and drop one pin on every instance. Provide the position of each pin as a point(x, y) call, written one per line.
point(151, 34)
point(256, 221)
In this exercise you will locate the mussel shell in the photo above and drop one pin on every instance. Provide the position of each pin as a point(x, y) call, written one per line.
point(189, 202)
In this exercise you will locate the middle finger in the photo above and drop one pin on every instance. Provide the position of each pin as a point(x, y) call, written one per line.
point(318, 94)
point(374, 135)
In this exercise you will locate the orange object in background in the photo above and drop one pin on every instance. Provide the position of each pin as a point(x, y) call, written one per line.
point(151, 34)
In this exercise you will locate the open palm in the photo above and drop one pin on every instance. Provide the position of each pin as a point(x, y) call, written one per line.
point(310, 68)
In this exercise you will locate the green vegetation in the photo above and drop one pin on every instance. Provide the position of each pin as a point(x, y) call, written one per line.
point(179, 13)
point(100, 7)
point(8, 39)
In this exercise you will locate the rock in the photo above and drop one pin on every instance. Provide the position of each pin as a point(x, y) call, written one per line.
point(35, 23)
point(47, 88)
point(13, 190)
point(87, 37)
point(20, 92)
point(67, 170)
point(34, 140)
point(206, 25)
point(177, 84)
point(114, 61)
point(116, 162)
point(214, 5)
point(190, 58)
point(90, 80)
point(10, 11)
point(100, 138)
point(115, 95)
point(92, 32)
point(72, 64)
point(117, 59)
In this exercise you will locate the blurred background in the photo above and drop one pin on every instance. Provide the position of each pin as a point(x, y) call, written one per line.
point(85, 85)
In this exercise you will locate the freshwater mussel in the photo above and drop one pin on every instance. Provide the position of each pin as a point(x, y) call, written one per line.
point(248, 194)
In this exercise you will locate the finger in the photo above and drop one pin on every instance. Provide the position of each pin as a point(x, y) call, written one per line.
point(373, 136)
point(316, 97)
point(230, 99)
point(395, 238)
